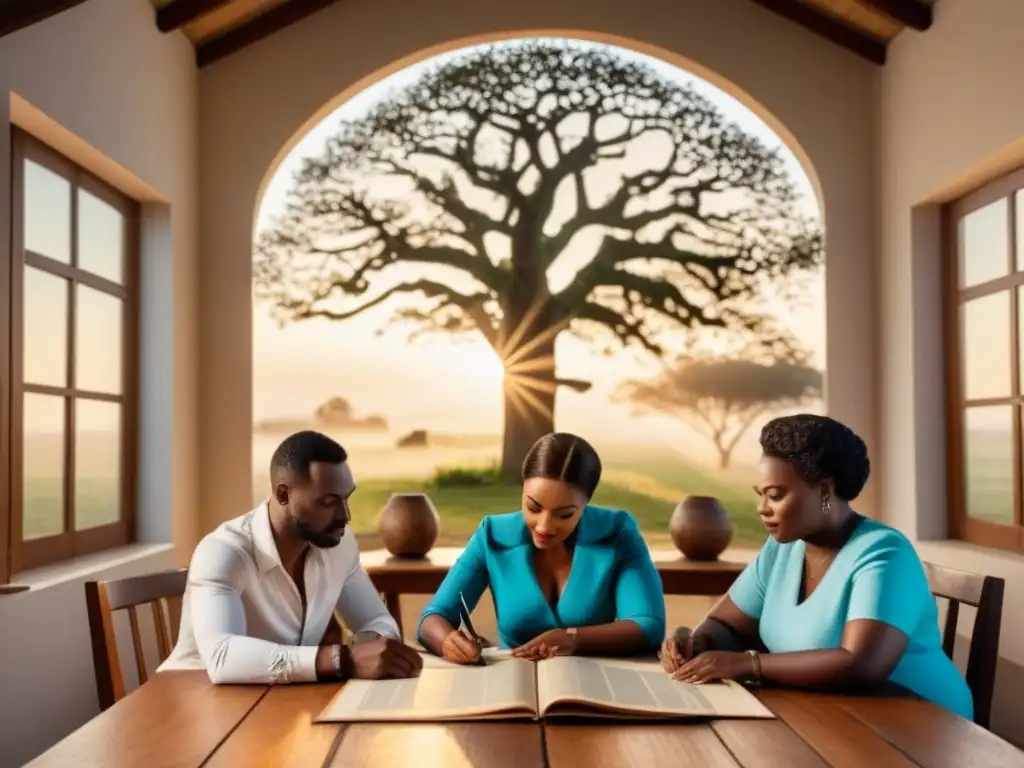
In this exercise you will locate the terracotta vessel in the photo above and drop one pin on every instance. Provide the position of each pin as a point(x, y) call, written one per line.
point(408, 524)
point(700, 528)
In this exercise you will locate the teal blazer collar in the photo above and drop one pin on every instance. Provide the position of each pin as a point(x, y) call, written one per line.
point(597, 525)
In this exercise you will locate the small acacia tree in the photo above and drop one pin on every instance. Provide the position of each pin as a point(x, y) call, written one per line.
point(721, 398)
point(452, 199)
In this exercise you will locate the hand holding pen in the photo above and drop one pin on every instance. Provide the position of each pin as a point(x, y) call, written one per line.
point(463, 646)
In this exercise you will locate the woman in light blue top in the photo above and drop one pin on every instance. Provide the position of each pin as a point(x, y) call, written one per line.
point(566, 577)
point(834, 598)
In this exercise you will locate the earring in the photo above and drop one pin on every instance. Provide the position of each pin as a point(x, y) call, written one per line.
point(826, 505)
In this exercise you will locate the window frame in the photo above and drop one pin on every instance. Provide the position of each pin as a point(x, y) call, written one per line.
point(987, 533)
point(18, 554)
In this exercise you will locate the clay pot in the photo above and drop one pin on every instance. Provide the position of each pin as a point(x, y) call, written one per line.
point(408, 524)
point(700, 528)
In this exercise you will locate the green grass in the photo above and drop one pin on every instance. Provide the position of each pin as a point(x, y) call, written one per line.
point(648, 484)
point(96, 503)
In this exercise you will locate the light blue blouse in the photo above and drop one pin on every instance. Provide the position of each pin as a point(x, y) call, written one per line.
point(876, 575)
point(612, 578)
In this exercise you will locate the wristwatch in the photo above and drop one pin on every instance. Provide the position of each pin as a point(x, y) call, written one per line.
point(342, 661)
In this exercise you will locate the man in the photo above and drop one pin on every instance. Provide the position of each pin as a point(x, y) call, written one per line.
point(263, 587)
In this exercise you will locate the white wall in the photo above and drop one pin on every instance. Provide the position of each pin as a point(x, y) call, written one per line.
point(124, 97)
point(252, 103)
point(47, 683)
point(950, 113)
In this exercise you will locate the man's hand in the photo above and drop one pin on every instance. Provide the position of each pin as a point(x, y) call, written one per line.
point(383, 658)
point(554, 642)
point(682, 646)
point(459, 648)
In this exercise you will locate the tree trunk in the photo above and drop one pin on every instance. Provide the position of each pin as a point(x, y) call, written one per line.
point(724, 457)
point(527, 345)
point(724, 449)
point(529, 400)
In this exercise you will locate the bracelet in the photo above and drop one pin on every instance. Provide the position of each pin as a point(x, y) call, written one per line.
point(755, 657)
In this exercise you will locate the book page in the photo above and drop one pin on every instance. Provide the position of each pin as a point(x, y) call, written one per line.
point(505, 687)
point(636, 688)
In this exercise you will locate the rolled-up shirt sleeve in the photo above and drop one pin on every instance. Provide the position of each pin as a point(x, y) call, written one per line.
point(218, 621)
point(359, 603)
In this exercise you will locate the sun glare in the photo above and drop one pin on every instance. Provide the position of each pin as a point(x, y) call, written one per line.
point(475, 362)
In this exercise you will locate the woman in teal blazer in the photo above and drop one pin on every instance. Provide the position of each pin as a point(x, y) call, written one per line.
point(566, 577)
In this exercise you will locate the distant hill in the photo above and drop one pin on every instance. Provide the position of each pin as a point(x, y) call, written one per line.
point(335, 414)
point(283, 426)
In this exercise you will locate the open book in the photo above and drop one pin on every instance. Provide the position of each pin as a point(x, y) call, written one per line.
point(565, 686)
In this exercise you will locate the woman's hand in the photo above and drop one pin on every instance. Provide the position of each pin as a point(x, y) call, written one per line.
point(682, 646)
point(459, 648)
point(715, 665)
point(555, 642)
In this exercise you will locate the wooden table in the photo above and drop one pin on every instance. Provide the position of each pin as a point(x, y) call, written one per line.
point(395, 576)
point(180, 720)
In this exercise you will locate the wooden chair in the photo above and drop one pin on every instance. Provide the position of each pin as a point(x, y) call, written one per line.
point(102, 598)
point(985, 593)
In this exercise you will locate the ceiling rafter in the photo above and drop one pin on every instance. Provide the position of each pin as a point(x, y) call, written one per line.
point(260, 27)
point(18, 14)
point(846, 29)
point(828, 27)
point(178, 13)
point(910, 13)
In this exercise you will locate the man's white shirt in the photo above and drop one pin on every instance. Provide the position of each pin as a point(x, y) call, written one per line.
point(242, 617)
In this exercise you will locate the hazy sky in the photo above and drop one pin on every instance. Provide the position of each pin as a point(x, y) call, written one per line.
point(455, 385)
point(47, 232)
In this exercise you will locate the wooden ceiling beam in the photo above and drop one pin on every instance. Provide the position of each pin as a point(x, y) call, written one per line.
point(18, 14)
point(178, 13)
point(260, 27)
point(910, 13)
point(826, 26)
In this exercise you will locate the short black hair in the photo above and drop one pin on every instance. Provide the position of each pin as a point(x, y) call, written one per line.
point(818, 447)
point(298, 451)
point(565, 457)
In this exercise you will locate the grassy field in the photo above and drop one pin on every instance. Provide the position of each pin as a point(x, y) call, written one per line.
point(989, 475)
point(646, 482)
point(96, 503)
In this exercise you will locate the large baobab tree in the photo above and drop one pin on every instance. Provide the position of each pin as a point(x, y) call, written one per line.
point(453, 199)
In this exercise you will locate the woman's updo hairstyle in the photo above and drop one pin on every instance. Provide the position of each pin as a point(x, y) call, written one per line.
point(565, 457)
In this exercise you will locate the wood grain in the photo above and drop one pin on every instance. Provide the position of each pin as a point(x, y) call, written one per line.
point(453, 745)
point(766, 744)
point(176, 720)
point(681, 745)
point(931, 736)
point(838, 737)
point(279, 732)
point(180, 719)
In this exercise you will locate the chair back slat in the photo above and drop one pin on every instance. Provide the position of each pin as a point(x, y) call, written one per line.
point(163, 628)
point(140, 656)
point(102, 598)
point(949, 630)
point(985, 593)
